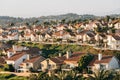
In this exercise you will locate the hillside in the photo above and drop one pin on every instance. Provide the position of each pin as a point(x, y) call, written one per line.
point(5, 21)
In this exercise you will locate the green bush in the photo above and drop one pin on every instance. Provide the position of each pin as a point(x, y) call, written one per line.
point(8, 68)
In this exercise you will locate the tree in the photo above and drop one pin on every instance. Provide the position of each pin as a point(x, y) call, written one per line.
point(84, 61)
point(116, 76)
point(63, 21)
point(61, 75)
point(8, 68)
point(11, 68)
point(101, 75)
point(40, 76)
point(73, 75)
point(33, 77)
point(35, 22)
point(11, 24)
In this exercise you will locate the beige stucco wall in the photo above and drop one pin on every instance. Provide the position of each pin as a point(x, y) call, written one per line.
point(45, 65)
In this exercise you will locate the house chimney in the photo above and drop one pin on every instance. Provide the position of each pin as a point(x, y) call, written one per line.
point(60, 55)
point(28, 57)
point(99, 56)
point(68, 54)
point(14, 48)
point(9, 54)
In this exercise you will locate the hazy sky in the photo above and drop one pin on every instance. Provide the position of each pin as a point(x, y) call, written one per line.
point(35, 8)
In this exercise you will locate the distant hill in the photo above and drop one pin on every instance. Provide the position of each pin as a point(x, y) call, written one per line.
point(117, 11)
point(6, 20)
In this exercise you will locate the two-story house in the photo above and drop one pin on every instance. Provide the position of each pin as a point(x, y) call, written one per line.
point(106, 62)
point(32, 64)
point(113, 42)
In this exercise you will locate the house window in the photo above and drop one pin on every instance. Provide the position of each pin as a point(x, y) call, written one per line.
point(27, 64)
point(23, 60)
point(42, 65)
point(49, 66)
point(102, 66)
point(53, 66)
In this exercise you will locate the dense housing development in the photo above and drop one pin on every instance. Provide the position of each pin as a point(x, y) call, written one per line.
point(101, 35)
point(94, 32)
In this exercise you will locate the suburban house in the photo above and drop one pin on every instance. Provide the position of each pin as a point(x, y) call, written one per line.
point(34, 37)
point(47, 36)
point(72, 60)
point(33, 64)
point(66, 62)
point(60, 27)
point(14, 36)
point(27, 36)
point(99, 37)
point(16, 59)
point(41, 37)
point(51, 64)
point(85, 35)
point(91, 26)
point(37, 28)
point(4, 38)
point(106, 62)
point(117, 25)
point(14, 49)
point(89, 36)
point(21, 37)
point(68, 36)
point(58, 34)
point(113, 41)
point(29, 50)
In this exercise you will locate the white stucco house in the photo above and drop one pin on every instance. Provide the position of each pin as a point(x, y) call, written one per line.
point(113, 42)
point(13, 37)
point(117, 25)
point(33, 63)
point(106, 62)
point(16, 59)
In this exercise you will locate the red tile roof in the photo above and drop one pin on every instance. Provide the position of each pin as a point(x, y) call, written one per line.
point(56, 60)
point(116, 37)
point(75, 57)
point(16, 56)
point(34, 59)
point(105, 59)
point(10, 50)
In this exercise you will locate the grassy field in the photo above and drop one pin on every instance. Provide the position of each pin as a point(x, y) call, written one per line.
point(11, 77)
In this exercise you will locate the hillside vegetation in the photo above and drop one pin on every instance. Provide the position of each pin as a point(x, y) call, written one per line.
point(51, 50)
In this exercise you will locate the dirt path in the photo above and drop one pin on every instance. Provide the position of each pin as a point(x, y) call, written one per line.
point(18, 74)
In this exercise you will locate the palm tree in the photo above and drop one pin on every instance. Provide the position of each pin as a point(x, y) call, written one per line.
point(43, 76)
point(33, 77)
point(53, 77)
point(61, 75)
point(73, 75)
point(117, 76)
point(101, 75)
point(40, 76)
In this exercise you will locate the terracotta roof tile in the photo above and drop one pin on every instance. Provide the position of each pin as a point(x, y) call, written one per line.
point(56, 60)
point(16, 56)
point(34, 59)
point(116, 37)
point(75, 57)
point(105, 59)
